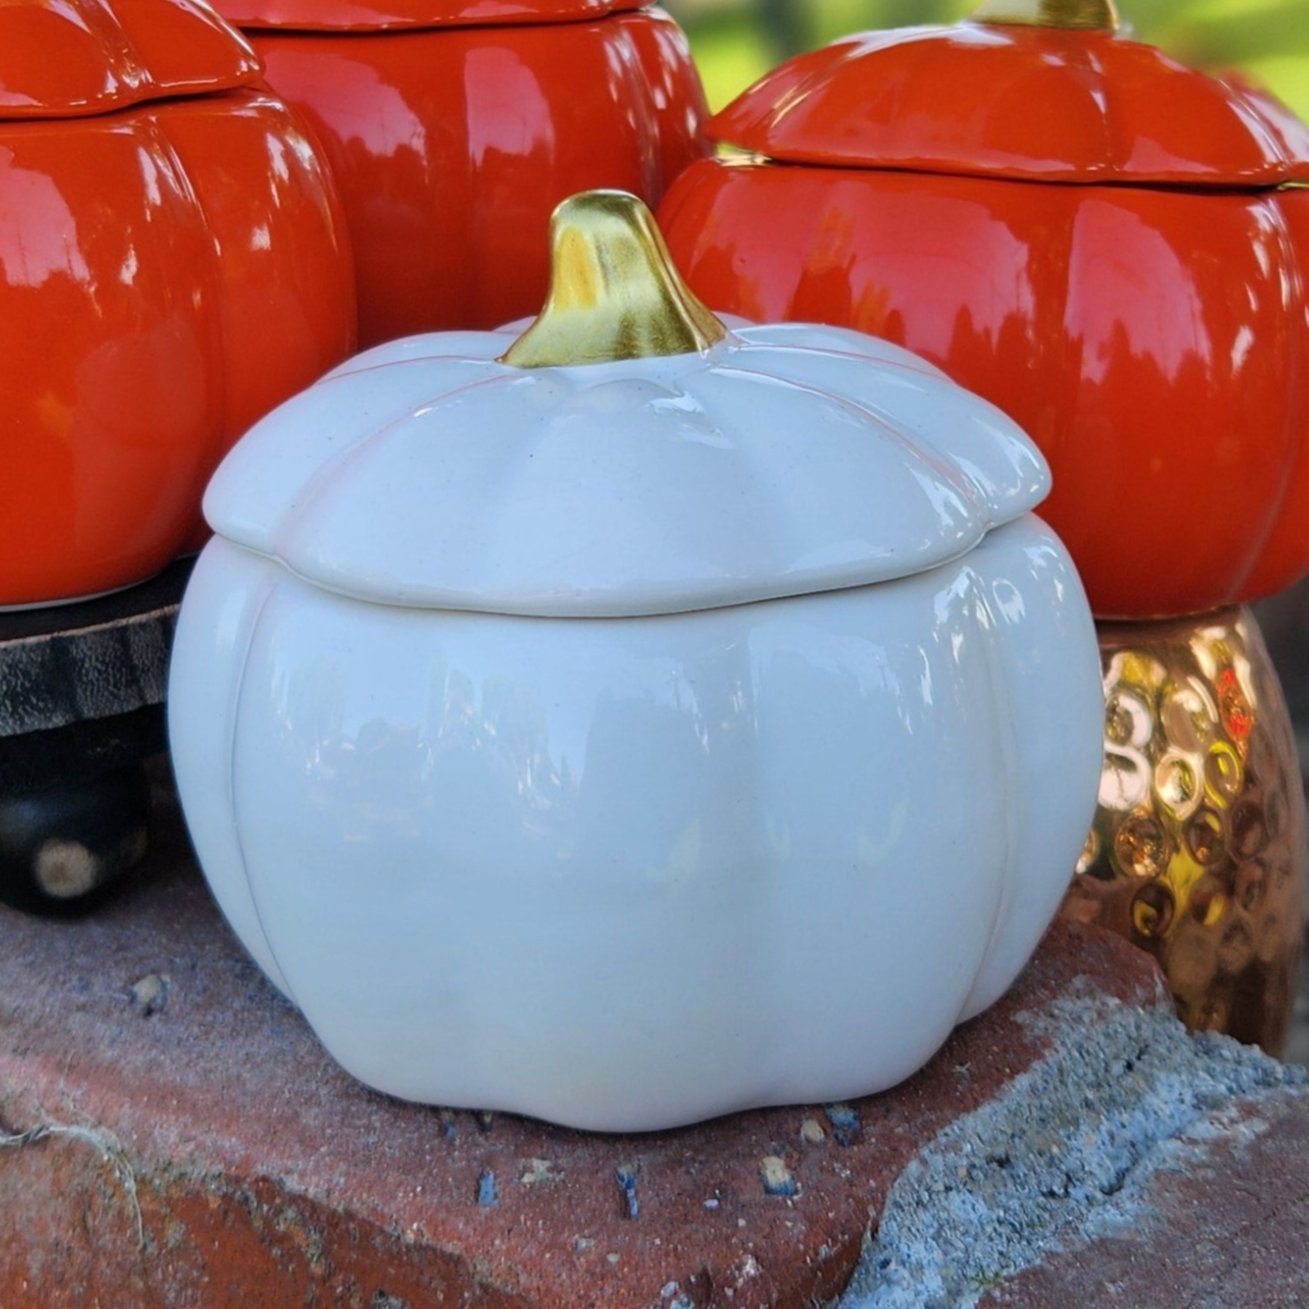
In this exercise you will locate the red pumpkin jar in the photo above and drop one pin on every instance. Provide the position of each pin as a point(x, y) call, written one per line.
point(173, 263)
point(1106, 244)
point(455, 126)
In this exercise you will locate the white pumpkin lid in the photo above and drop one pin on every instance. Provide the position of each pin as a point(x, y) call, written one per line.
point(627, 455)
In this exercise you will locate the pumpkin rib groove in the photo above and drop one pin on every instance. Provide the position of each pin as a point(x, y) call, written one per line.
point(1292, 512)
point(201, 659)
point(1295, 419)
point(267, 595)
point(217, 406)
point(336, 470)
point(1001, 702)
point(949, 474)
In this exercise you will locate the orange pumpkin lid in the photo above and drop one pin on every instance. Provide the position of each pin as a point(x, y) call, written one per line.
point(1048, 90)
point(73, 58)
point(391, 15)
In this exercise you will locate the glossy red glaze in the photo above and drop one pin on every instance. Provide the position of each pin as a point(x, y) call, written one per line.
point(1154, 340)
point(451, 147)
point(1025, 102)
point(79, 57)
point(380, 15)
point(168, 273)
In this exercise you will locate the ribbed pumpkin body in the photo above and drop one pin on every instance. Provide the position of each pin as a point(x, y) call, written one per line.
point(628, 873)
point(626, 743)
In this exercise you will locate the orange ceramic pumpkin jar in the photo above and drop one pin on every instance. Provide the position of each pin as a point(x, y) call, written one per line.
point(1108, 245)
point(172, 265)
point(455, 126)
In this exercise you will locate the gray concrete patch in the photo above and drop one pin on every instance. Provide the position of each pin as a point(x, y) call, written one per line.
point(1061, 1156)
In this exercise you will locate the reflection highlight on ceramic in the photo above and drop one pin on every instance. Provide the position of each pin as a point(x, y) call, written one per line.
point(169, 271)
point(451, 143)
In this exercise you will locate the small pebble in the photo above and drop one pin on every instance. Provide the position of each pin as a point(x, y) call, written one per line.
point(611, 1258)
point(711, 1203)
point(150, 994)
point(845, 1122)
point(626, 1175)
point(776, 1176)
point(541, 1172)
point(583, 1245)
point(811, 1132)
point(486, 1192)
point(745, 1268)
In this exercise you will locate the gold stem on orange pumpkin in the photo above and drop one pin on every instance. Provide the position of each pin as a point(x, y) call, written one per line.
point(614, 293)
point(1094, 15)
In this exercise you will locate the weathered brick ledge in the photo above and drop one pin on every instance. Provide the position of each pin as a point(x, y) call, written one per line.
point(174, 1136)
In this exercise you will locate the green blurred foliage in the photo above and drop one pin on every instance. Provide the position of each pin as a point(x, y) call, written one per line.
point(735, 41)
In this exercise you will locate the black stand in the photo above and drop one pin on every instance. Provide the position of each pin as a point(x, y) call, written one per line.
point(81, 709)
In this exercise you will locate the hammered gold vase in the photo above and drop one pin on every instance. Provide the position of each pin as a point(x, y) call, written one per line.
point(1197, 853)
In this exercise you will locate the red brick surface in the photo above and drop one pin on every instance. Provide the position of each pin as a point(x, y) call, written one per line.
point(1226, 1229)
point(210, 1154)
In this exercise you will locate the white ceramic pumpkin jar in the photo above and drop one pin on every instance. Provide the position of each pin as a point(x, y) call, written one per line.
point(636, 719)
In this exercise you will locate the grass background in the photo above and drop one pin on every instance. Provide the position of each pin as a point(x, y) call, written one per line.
point(735, 41)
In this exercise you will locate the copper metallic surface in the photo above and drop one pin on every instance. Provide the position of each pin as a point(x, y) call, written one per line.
point(614, 293)
point(1097, 15)
point(1197, 853)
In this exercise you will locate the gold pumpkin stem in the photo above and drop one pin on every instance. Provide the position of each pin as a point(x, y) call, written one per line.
point(1094, 15)
point(614, 293)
